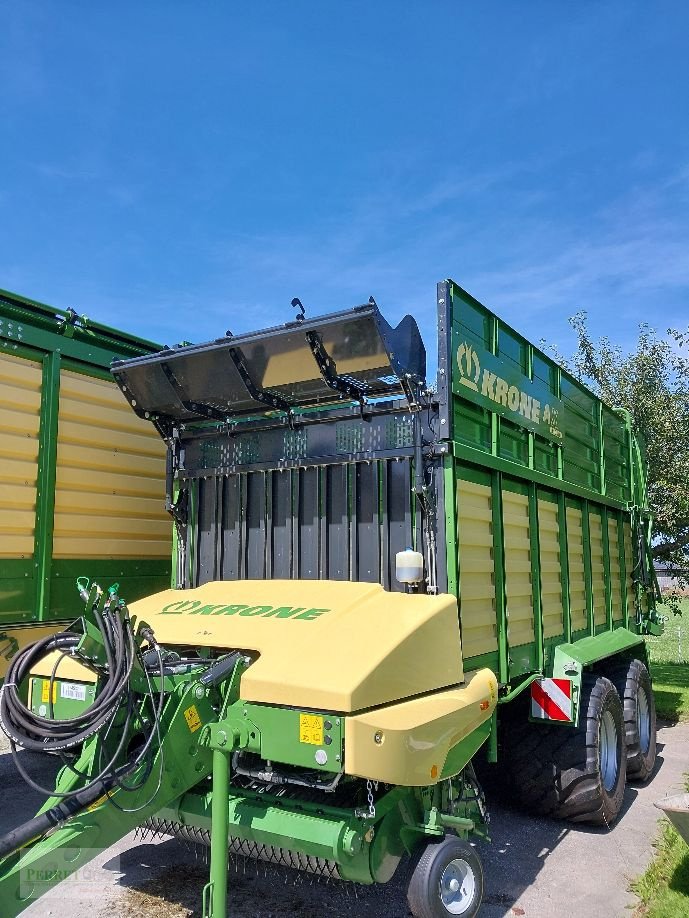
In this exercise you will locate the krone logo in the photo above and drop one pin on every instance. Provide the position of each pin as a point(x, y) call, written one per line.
point(469, 366)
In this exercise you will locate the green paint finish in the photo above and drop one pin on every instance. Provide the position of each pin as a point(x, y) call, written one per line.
point(593, 649)
point(137, 578)
point(451, 525)
point(42, 588)
point(469, 453)
point(623, 570)
point(588, 580)
point(17, 590)
point(312, 829)
point(291, 736)
point(74, 842)
point(47, 471)
point(70, 698)
point(499, 575)
point(549, 423)
point(461, 754)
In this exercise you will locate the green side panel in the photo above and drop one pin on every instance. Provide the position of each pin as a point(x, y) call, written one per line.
point(461, 754)
point(592, 649)
point(40, 588)
point(137, 578)
point(47, 470)
point(70, 699)
point(513, 402)
point(17, 590)
point(293, 737)
point(581, 452)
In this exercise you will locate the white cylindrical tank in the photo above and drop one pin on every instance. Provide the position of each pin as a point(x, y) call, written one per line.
point(409, 566)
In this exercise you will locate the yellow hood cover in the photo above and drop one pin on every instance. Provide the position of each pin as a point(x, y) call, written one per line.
point(323, 644)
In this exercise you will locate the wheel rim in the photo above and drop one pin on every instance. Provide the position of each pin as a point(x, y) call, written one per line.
point(457, 886)
point(643, 720)
point(607, 751)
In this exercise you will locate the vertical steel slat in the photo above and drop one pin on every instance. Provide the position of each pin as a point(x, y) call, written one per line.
point(352, 490)
point(397, 516)
point(231, 524)
point(337, 517)
point(309, 524)
point(295, 504)
point(367, 523)
point(268, 554)
point(218, 518)
point(192, 559)
point(242, 517)
point(387, 576)
point(256, 526)
point(281, 529)
point(322, 525)
point(206, 529)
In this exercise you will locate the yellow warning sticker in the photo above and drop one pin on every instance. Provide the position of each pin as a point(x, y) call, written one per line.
point(45, 691)
point(311, 729)
point(191, 715)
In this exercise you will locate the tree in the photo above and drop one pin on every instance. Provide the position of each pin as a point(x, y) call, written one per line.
point(652, 382)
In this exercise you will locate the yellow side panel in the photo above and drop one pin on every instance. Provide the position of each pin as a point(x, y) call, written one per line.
point(597, 569)
point(415, 736)
point(518, 583)
point(577, 583)
point(20, 409)
point(476, 568)
point(551, 570)
point(629, 568)
point(110, 489)
point(615, 570)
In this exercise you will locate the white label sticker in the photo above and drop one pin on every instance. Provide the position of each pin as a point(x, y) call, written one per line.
point(73, 690)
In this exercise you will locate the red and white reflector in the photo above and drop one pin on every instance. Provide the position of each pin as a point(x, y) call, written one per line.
point(551, 699)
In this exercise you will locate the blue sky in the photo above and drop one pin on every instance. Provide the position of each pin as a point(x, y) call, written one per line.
point(178, 168)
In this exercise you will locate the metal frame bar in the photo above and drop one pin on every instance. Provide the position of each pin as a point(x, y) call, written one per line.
point(328, 370)
point(206, 411)
point(45, 481)
point(257, 394)
point(588, 578)
point(623, 570)
point(606, 569)
point(564, 566)
point(536, 575)
point(499, 557)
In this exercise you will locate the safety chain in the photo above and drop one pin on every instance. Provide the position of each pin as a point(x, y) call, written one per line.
point(370, 787)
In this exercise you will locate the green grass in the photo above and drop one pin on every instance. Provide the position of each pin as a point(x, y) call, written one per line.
point(664, 888)
point(669, 655)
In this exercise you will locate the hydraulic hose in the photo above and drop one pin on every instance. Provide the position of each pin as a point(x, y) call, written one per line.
point(37, 733)
point(36, 827)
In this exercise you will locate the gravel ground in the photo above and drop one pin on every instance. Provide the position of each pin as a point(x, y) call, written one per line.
point(535, 868)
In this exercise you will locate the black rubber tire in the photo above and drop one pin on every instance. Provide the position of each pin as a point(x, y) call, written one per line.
point(556, 769)
point(629, 679)
point(424, 893)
